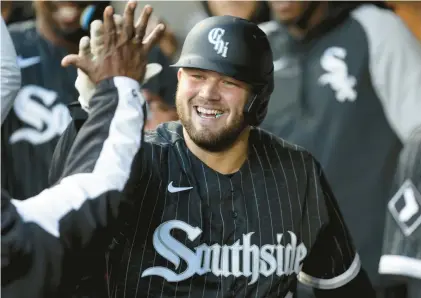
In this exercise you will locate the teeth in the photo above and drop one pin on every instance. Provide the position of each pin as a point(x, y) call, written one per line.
point(206, 111)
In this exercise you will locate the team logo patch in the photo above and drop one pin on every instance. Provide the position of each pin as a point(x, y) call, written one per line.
point(405, 207)
point(215, 38)
point(337, 74)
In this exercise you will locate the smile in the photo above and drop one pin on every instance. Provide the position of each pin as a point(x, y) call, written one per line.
point(208, 113)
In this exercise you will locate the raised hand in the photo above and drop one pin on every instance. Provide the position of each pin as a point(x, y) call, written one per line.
point(124, 53)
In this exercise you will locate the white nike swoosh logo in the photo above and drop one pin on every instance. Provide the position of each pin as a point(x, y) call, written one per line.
point(26, 62)
point(174, 189)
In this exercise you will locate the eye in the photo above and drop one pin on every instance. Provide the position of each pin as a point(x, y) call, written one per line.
point(229, 83)
point(197, 76)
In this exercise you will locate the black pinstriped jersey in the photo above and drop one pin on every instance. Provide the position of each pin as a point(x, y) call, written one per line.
point(186, 230)
point(197, 233)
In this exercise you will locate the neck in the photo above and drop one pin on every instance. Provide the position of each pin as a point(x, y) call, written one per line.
point(225, 162)
point(48, 33)
point(316, 18)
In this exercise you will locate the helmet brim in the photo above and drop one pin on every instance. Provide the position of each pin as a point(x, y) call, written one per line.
point(222, 67)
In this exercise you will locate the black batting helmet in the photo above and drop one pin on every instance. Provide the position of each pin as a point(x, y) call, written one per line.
point(236, 48)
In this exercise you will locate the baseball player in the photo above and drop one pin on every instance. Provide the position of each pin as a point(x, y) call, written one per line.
point(401, 248)
point(210, 206)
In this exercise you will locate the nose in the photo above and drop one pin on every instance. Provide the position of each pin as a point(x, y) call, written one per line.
point(209, 90)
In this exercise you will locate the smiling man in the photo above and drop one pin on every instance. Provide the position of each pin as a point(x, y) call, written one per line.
point(222, 206)
point(212, 205)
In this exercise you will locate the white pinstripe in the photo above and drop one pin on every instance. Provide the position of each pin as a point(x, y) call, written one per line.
point(298, 196)
point(258, 218)
point(135, 233)
point(223, 232)
point(287, 187)
point(155, 253)
point(307, 211)
point(247, 221)
point(317, 192)
point(279, 199)
point(163, 214)
point(210, 222)
point(267, 198)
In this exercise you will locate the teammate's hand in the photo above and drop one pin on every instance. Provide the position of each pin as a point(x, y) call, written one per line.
point(123, 54)
point(83, 84)
point(91, 48)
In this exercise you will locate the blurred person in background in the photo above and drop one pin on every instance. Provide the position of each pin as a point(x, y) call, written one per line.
point(17, 11)
point(168, 43)
point(9, 71)
point(255, 11)
point(41, 113)
point(402, 242)
point(347, 87)
point(410, 13)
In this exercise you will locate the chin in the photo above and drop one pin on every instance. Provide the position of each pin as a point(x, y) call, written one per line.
point(213, 140)
point(212, 144)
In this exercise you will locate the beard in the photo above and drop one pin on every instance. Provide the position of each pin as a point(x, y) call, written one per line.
point(209, 140)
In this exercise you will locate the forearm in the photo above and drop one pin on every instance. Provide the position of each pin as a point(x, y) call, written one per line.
point(79, 214)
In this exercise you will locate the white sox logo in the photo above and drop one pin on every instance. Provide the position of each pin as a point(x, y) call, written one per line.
point(47, 122)
point(215, 38)
point(224, 260)
point(337, 75)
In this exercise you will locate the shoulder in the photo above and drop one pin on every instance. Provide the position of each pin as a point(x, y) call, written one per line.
point(269, 27)
point(278, 147)
point(372, 13)
point(20, 30)
point(379, 23)
point(273, 30)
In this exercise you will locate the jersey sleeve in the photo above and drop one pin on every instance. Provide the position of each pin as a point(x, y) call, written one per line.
point(10, 72)
point(65, 143)
point(388, 60)
point(332, 262)
point(43, 235)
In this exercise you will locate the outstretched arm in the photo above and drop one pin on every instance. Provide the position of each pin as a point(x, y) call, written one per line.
point(43, 236)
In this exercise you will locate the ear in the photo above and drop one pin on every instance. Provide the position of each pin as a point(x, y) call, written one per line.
point(179, 73)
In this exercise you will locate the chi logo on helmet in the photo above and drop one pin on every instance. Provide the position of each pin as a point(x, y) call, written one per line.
point(215, 38)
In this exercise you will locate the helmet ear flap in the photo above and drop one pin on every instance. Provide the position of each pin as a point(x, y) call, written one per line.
point(256, 107)
point(250, 108)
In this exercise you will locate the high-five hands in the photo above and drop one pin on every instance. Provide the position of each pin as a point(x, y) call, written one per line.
point(123, 53)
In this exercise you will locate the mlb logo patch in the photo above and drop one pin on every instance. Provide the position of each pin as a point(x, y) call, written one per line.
point(405, 207)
